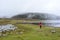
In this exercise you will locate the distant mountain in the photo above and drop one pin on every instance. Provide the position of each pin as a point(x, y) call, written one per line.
point(41, 16)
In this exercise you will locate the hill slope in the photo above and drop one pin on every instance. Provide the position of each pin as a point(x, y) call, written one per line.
point(41, 16)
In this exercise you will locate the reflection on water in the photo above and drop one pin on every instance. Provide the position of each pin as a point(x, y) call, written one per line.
point(53, 23)
point(7, 27)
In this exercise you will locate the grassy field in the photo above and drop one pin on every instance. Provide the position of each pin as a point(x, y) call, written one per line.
point(32, 32)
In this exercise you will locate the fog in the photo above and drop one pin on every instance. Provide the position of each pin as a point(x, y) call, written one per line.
point(9, 8)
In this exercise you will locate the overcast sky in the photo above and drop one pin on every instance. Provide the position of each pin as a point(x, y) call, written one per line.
point(9, 8)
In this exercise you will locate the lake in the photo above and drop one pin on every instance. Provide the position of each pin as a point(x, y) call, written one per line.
point(52, 23)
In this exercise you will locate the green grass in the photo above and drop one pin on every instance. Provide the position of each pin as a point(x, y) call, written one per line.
point(41, 34)
point(33, 32)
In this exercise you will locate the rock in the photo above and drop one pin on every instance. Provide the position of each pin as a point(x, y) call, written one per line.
point(21, 32)
point(4, 35)
point(53, 31)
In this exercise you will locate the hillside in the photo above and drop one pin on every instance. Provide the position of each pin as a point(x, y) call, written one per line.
point(31, 32)
point(41, 16)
